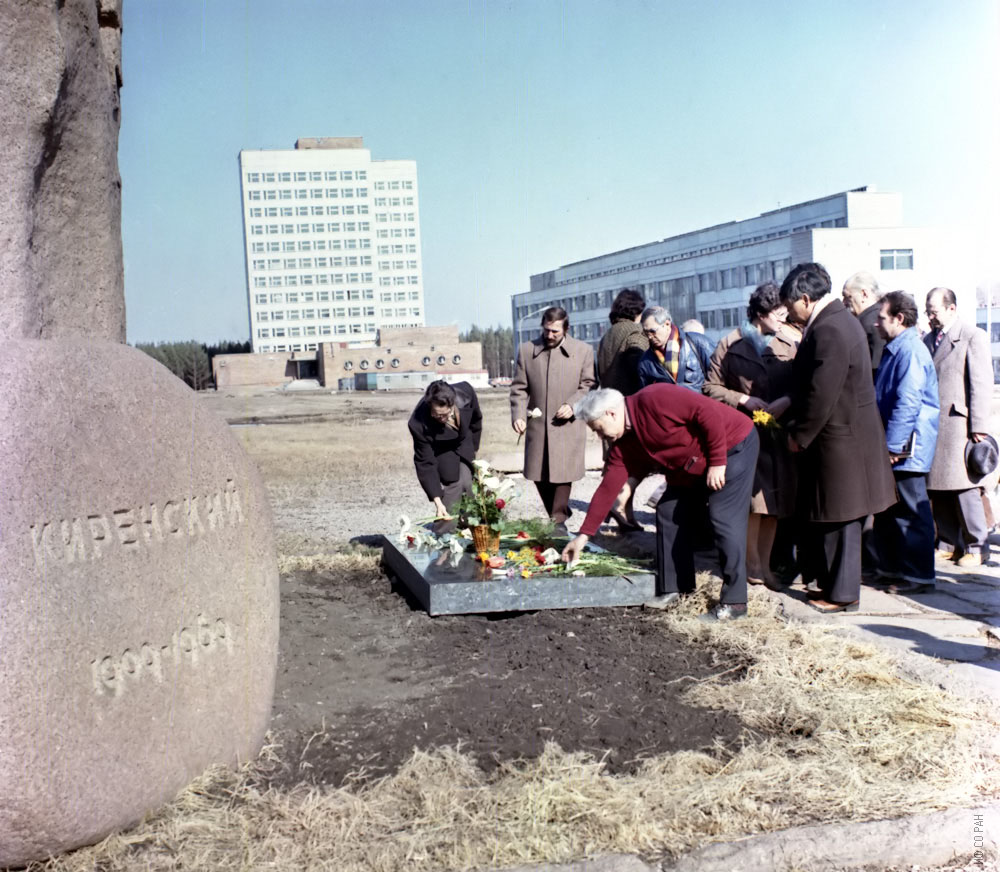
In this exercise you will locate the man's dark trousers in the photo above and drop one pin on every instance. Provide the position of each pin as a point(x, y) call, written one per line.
point(679, 511)
point(904, 533)
point(832, 552)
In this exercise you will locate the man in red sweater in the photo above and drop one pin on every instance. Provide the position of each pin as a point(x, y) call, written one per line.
point(706, 450)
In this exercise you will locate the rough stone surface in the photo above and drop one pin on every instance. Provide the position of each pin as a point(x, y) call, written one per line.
point(139, 593)
point(927, 840)
point(60, 213)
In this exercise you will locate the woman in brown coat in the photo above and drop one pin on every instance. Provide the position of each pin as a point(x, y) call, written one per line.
point(618, 367)
point(751, 370)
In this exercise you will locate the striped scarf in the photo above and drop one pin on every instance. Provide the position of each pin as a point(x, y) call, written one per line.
point(670, 357)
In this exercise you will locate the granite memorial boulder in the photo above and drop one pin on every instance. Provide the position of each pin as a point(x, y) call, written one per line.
point(138, 593)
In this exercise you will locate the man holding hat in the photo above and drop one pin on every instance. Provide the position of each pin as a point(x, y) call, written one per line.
point(961, 355)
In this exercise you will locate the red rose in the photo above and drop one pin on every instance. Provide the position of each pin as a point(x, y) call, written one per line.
point(410, 539)
point(522, 535)
point(500, 504)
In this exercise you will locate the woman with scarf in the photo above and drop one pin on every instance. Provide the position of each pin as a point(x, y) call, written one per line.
point(751, 370)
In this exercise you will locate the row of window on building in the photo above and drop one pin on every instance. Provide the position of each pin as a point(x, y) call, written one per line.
point(310, 176)
point(324, 227)
point(257, 178)
point(308, 194)
point(290, 245)
point(337, 296)
point(287, 281)
point(277, 263)
point(337, 312)
point(312, 279)
point(313, 211)
point(314, 330)
point(746, 276)
point(700, 252)
point(313, 314)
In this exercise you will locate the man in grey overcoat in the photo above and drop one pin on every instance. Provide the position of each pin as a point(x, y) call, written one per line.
point(833, 425)
point(552, 373)
point(961, 354)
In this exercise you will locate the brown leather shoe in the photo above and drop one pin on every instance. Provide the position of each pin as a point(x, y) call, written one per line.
point(829, 608)
point(970, 559)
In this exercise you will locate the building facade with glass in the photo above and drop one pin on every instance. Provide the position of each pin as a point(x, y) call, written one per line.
point(332, 244)
point(709, 274)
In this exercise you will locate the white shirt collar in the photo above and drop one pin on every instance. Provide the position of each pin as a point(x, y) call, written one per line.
point(821, 304)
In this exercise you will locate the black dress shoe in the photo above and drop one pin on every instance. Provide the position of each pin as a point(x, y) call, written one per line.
point(724, 612)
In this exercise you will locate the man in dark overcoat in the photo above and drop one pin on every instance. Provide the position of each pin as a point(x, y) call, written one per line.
point(861, 295)
point(552, 373)
point(961, 355)
point(834, 425)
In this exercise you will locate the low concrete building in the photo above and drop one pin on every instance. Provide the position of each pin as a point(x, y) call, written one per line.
point(418, 350)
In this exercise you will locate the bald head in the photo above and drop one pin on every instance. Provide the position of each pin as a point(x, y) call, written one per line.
point(941, 308)
point(860, 292)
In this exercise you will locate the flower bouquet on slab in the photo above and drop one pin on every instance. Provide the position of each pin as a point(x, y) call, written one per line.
point(482, 510)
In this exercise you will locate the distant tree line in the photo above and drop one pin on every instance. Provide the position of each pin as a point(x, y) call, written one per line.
point(498, 348)
point(191, 361)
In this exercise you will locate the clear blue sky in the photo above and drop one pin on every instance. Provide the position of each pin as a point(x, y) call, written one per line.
point(544, 132)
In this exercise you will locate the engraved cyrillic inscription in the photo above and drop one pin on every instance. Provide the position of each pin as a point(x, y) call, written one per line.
point(113, 676)
point(129, 529)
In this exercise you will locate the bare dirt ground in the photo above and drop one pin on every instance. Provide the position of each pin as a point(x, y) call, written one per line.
point(376, 677)
point(366, 675)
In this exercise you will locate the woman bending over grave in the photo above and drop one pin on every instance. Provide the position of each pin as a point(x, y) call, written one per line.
point(446, 427)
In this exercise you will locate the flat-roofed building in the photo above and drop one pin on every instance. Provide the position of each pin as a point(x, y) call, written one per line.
point(332, 244)
point(709, 274)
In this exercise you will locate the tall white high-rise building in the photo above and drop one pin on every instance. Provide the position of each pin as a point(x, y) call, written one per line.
point(332, 243)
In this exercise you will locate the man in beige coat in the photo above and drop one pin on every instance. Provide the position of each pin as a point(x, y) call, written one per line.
point(961, 355)
point(553, 372)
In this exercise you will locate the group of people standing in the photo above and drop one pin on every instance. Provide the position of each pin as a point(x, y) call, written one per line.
point(813, 415)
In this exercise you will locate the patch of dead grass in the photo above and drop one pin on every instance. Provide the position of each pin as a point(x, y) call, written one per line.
point(835, 732)
point(349, 559)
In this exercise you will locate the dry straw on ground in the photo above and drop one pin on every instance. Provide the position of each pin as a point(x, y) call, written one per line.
point(834, 732)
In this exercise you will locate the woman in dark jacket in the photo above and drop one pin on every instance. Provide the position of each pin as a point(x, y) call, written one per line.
point(446, 427)
point(618, 367)
point(751, 370)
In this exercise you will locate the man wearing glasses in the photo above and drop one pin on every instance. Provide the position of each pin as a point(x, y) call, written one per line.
point(961, 355)
point(672, 357)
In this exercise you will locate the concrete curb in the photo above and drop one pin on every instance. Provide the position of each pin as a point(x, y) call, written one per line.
point(926, 840)
point(933, 839)
point(607, 863)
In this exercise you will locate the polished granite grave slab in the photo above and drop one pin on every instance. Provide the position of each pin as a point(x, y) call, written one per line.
point(445, 586)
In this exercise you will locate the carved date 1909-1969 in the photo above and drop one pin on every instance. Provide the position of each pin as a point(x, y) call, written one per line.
point(113, 675)
point(90, 537)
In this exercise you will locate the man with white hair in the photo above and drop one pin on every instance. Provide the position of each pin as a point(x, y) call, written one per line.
point(862, 297)
point(708, 451)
